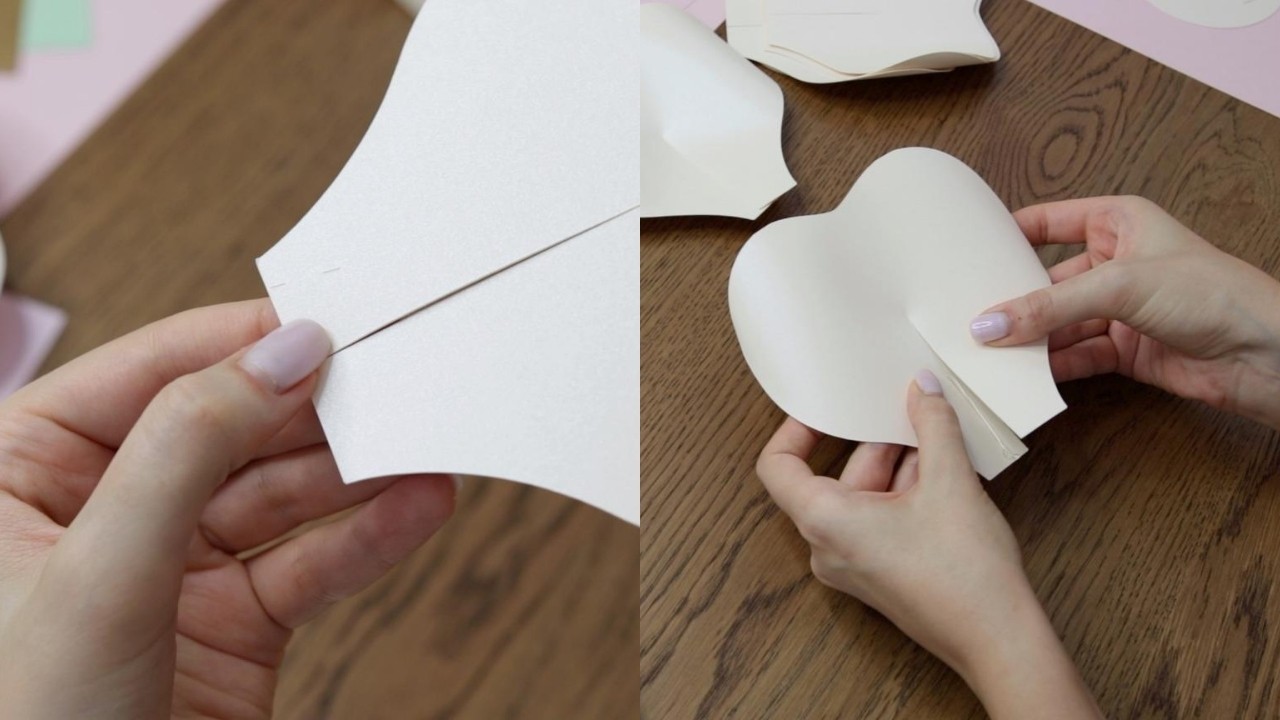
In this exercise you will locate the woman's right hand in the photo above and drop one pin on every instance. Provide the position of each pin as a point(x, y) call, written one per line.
point(1150, 299)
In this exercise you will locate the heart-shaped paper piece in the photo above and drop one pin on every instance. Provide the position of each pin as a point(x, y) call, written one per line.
point(711, 123)
point(837, 312)
point(826, 41)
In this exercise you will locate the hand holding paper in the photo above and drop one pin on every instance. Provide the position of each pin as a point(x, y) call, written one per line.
point(836, 312)
point(1150, 299)
point(159, 446)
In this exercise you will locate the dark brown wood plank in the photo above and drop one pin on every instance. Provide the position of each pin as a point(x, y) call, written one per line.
point(525, 606)
point(1150, 525)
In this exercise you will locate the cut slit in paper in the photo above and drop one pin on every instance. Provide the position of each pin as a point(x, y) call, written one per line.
point(828, 41)
point(836, 313)
point(476, 261)
point(1220, 13)
point(711, 123)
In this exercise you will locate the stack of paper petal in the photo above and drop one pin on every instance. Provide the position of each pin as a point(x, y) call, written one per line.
point(826, 41)
point(836, 312)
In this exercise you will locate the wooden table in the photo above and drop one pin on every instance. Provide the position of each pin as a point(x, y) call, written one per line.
point(525, 606)
point(1151, 526)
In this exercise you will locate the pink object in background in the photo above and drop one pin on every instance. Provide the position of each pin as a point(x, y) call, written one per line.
point(1241, 62)
point(28, 331)
point(54, 99)
point(708, 12)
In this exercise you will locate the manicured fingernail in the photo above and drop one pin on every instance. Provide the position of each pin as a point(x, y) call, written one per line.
point(287, 355)
point(928, 383)
point(458, 482)
point(989, 327)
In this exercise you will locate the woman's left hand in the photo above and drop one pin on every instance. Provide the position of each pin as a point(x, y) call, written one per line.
point(133, 481)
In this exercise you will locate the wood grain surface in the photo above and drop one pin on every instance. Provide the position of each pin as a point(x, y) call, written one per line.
point(525, 606)
point(1150, 525)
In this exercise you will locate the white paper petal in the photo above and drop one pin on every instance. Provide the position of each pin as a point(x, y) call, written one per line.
point(825, 41)
point(836, 313)
point(477, 259)
point(711, 123)
point(1220, 13)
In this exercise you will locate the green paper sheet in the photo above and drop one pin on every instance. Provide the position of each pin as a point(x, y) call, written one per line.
point(55, 24)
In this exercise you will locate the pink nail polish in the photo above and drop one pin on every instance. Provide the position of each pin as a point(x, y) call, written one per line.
point(989, 327)
point(928, 383)
point(287, 355)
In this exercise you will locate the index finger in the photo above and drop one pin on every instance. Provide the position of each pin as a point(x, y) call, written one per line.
point(1065, 222)
point(784, 469)
point(101, 394)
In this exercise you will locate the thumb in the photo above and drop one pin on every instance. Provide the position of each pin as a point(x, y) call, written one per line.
point(1096, 293)
point(942, 450)
point(133, 533)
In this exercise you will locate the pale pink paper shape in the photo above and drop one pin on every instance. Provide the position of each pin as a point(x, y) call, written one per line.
point(28, 331)
point(707, 12)
point(1241, 62)
point(54, 99)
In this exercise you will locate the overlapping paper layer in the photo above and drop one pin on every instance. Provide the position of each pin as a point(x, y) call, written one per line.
point(711, 123)
point(836, 313)
point(827, 41)
point(476, 261)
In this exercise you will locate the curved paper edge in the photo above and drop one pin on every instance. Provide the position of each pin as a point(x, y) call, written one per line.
point(711, 123)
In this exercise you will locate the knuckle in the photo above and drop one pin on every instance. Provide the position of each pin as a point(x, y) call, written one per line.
point(275, 495)
point(811, 530)
point(822, 571)
point(812, 526)
point(762, 468)
point(190, 405)
point(1136, 205)
point(311, 587)
point(817, 520)
point(1038, 308)
point(188, 402)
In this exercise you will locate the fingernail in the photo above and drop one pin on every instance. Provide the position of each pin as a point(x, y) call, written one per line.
point(287, 355)
point(928, 383)
point(458, 482)
point(989, 327)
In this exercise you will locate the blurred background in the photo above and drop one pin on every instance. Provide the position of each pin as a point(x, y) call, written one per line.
point(150, 150)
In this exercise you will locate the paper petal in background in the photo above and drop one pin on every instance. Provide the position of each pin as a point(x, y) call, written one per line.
point(477, 259)
point(28, 331)
point(836, 313)
point(826, 41)
point(711, 123)
point(707, 12)
point(1220, 13)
